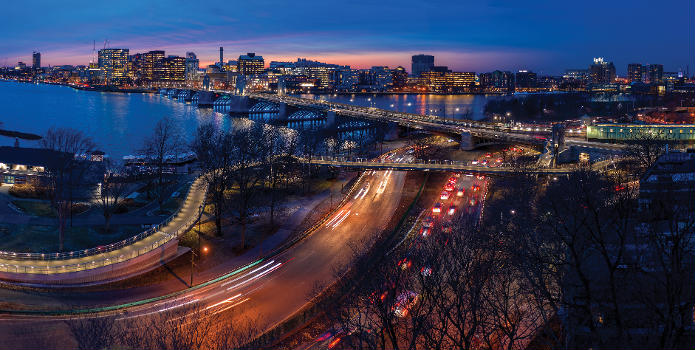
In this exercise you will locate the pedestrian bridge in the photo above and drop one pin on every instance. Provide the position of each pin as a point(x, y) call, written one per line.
point(436, 165)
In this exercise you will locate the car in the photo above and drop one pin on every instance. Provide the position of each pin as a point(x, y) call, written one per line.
point(444, 196)
point(457, 175)
point(474, 162)
point(446, 228)
point(481, 177)
point(472, 202)
point(425, 232)
point(499, 160)
point(437, 208)
point(426, 271)
point(488, 155)
point(404, 302)
point(484, 162)
point(452, 210)
point(453, 179)
point(405, 264)
point(475, 188)
point(428, 221)
point(449, 187)
point(460, 192)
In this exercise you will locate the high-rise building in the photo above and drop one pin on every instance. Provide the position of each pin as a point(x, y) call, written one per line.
point(113, 64)
point(152, 65)
point(497, 81)
point(576, 74)
point(173, 68)
point(655, 73)
point(36, 60)
point(634, 72)
point(250, 64)
point(221, 56)
point(399, 77)
point(382, 78)
point(192, 66)
point(602, 72)
point(525, 80)
point(422, 63)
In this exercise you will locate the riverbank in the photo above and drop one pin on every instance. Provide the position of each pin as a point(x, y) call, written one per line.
point(85, 87)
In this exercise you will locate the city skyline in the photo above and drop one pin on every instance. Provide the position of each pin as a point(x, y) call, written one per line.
point(463, 37)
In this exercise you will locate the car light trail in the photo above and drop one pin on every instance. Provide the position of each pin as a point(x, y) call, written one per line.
point(271, 269)
point(329, 223)
point(341, 219)
point(251, 272)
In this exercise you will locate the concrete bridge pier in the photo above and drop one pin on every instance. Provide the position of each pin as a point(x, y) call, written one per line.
point(240, 103)
point(467, 143)
point(391, 131)
point(331, 119)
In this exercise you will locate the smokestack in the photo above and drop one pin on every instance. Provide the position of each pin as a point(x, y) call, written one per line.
point(221, 56)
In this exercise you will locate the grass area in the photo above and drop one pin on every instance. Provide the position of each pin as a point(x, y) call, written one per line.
point(44, 238)
point(35, 208)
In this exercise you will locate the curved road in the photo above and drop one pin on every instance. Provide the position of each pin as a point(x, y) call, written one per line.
point(270, 290)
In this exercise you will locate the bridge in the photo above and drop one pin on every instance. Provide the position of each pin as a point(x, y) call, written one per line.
point(436, 165)
point(347, 117)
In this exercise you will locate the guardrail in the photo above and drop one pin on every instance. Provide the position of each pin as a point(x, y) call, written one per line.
point(436, 164)
point(113, 246)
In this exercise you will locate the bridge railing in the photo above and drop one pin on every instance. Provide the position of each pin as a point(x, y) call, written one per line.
point(116, 245)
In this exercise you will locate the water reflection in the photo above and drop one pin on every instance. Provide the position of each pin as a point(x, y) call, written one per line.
point(117, 122)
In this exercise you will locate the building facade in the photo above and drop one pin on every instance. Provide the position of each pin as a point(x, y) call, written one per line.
point(36, 60)
point(602, 72)
point(113, 64)
point(422, 63)
point(250, 64)
point(634, 73)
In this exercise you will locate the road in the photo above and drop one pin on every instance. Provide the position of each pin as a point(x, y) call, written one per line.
point(271, 290)
point(463, 194)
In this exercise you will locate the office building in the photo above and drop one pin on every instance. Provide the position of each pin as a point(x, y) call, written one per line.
point(192, 66)
point(382, 78)
point(525, 80)
point(422, 63)
point(576, 74)
point(36, 60)
point(655, 73)
point(173, 69)
point(152, 65)
point(399, 77)
point(634, 72)
point(602, 72)
point(250, 64)
point(497, 81)
point(113, 64)
point(221, 63)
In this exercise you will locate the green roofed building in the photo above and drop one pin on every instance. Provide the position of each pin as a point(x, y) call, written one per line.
point(635, 132)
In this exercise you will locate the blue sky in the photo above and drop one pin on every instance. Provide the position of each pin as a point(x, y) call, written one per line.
point(545, 36)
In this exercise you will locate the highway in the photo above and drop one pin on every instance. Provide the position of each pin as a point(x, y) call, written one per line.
point(272, 289)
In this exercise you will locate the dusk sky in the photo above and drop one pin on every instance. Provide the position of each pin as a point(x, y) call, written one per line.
point(545, 36)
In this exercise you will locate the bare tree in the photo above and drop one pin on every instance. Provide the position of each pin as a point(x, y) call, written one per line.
point(248, 151)
point(98, 332)
point(213, 149)
point(111, 191)
point(163, 143)
point(67, 171)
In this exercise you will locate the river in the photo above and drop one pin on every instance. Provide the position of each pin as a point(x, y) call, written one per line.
point(119, 122)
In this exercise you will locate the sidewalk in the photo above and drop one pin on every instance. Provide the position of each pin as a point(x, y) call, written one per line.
point(188, 214)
